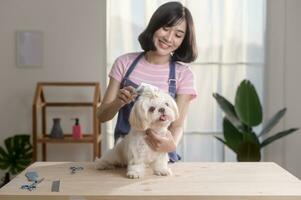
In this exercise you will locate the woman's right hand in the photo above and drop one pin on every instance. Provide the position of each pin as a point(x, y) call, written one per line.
point(114, 99)
point(125, 96)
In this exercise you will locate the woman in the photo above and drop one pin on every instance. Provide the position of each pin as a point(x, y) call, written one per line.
point(167, 41)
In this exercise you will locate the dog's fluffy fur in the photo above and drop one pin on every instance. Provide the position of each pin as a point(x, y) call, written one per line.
point(154, 109)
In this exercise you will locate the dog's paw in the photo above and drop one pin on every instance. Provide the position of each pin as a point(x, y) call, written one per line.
point(134, 174)
point(163, 172)
point(102, 165)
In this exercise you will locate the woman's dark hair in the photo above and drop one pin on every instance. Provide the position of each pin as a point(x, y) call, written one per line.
point(171, 14)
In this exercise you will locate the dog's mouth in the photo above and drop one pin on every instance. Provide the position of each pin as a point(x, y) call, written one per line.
point(163, 118)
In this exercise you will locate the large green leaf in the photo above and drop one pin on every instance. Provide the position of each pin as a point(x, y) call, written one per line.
point(3, 153)
point(229, 111)
point(232, 136)
point(224, 142)
point(248, 152)
point(249, 149)
point(3, 166)
point(17, 154)
point(272, 122)
point(247, 104)
point(221, 140)
point(3, 159)
point(277, 136)
point(251, 137)
point(9, 145)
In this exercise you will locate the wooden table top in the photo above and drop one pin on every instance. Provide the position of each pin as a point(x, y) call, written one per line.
point(259, 180)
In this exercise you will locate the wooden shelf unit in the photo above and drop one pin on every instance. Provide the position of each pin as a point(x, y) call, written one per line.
point(40, 103)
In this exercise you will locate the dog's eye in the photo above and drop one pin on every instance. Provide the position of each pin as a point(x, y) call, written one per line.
point(166, 104)
point(152, 109)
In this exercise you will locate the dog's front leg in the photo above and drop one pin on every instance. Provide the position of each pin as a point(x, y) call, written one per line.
point(135, 170)
point(136, 166)
point(160, 166)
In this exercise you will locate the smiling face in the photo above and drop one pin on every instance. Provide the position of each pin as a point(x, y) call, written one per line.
point(169, 39)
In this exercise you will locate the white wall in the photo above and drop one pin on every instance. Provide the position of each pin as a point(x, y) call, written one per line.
point(74, 50)
point(283, 79)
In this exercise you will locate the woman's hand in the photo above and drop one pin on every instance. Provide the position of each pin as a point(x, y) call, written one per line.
point(160, 143)
point(125, 96)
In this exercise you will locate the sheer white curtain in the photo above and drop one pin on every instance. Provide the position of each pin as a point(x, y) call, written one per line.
point(230, 39)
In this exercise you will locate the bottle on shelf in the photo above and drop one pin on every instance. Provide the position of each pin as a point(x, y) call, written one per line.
point(76, 130)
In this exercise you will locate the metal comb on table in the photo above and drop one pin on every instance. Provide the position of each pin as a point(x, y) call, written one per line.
point(55, 187)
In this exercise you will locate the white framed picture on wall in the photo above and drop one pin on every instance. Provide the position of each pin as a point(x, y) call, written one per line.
point(29, 51)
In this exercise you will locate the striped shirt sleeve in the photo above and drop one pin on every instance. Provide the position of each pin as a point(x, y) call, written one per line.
point(118, 69)
point(186, 82)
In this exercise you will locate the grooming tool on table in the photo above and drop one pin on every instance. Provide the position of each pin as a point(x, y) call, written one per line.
point(31, 176)
point(29, 187)
point(74, 169)
point(55, 187)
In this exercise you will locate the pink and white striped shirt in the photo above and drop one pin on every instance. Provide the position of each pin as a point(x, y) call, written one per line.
point(153, 74)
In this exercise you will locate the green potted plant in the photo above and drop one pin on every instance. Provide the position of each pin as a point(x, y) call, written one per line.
point(241, 118)
point(15, 156)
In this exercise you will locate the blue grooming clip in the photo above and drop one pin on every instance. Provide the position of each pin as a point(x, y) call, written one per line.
point(31, 176)
point(32, 186)
point(74, 169)
point(29, 187)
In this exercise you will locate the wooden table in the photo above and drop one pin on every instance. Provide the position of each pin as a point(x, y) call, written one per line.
point(190, 181)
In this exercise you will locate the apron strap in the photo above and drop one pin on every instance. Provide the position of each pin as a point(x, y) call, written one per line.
point(131, 68)
point(172, 89)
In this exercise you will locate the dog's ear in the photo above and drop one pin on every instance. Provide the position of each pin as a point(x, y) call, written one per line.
point(138, 116)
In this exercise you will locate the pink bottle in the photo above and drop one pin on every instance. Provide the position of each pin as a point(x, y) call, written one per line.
point(76, 130)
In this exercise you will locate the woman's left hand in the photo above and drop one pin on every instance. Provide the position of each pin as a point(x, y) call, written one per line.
point(160, 143)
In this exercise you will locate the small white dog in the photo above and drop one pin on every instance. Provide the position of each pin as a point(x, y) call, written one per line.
point(154, 109)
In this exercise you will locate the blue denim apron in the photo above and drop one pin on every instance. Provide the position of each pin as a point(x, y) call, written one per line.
point(123, 126)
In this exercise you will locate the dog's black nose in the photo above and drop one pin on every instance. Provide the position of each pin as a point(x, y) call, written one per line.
point(162, 110)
